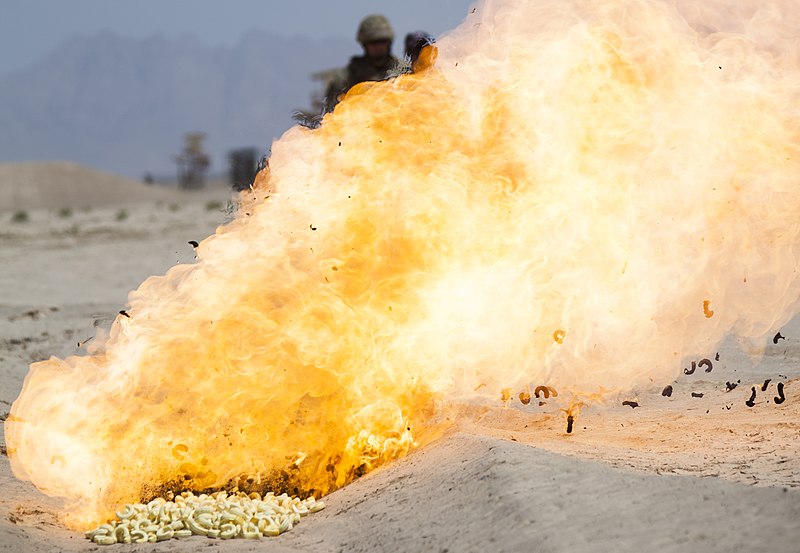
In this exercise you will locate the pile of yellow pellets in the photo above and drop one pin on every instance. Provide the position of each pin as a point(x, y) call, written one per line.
point(220, 515)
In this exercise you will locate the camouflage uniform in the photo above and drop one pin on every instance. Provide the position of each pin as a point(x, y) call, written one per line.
point(363, 68)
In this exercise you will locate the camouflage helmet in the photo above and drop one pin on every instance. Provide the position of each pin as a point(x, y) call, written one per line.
point(374, 27)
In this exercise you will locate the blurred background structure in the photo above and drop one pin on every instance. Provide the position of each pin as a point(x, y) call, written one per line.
point(243, 164)
point(116, 85)
point(192, 162)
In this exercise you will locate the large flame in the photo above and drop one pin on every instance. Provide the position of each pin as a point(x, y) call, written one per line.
point(576, 193)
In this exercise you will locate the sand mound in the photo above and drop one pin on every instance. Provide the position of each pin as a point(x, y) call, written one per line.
point(56, 185)
point(471, 493)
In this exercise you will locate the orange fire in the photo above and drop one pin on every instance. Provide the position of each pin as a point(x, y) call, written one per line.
point(604, 169)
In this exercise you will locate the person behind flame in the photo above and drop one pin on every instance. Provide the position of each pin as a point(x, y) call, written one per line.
point(375, 35)
point(414, 43)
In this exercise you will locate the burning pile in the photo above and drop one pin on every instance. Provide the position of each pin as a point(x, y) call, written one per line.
point(578, 194)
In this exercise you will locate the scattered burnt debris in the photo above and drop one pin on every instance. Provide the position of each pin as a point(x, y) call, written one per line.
point(707, 363)
point(781, 398)
point(84, 342)
point(765, 384)
point(752, 401)
point(123, 312)
point(631, 404)
point(777, 337)
point(547, 391)
point(524, 398)
point(570, 422)
point(667, 392)
point(731, 385)
point(716, 357)
point(193, 243)
point(697, 394)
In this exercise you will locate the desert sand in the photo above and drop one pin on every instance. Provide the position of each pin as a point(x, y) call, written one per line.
point(697, 471)
point(64, 185)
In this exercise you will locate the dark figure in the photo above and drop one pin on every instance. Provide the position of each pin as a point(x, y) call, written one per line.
point(375, 35)
point(415, 42)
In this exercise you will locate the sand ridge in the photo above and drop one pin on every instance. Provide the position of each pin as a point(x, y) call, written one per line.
point(65, 185)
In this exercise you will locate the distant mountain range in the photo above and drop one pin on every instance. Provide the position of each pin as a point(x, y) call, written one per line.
point(123, 105)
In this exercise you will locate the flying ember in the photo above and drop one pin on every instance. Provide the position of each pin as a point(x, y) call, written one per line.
point(562, 197)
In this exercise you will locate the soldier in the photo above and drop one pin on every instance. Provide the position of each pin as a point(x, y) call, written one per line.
point(375, 35)
point(415, 42)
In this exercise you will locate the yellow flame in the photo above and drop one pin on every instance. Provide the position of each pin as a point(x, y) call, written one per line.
point(598, 167)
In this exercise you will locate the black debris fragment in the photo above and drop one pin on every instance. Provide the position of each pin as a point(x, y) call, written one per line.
point(3, 417)
point(570, 422)
point(193, 243)
point(777, 337)
point(84, 342)
point(716, 357)
point(781, 398)
point(690, 371)
point(123, 312)
point(707, 363)
point(631, 404)
point(697, 394)
point(766, 383)
point(752, 401)
point(3, 450)
point(730, 386)
point(667, 392)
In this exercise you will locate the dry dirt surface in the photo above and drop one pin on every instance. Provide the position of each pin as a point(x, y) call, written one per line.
point(705, 469)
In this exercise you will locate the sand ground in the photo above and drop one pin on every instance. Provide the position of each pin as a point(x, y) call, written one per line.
point(679, 473)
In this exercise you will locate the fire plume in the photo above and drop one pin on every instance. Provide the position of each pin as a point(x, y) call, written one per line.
point(555, 199)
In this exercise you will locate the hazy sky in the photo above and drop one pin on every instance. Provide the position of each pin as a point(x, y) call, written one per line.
point(29, 29)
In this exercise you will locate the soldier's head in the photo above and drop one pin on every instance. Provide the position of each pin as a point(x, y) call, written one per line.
point(415, 42)
point(376, 35)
